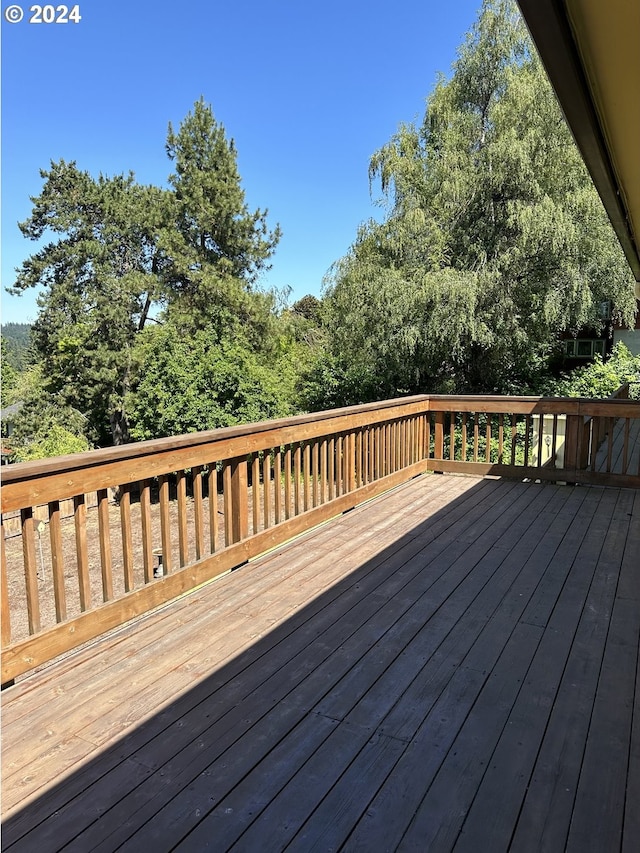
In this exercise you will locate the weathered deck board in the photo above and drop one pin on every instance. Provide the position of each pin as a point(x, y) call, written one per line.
point(378, 684)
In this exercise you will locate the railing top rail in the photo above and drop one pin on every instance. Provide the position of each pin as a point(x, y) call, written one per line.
point(228, 436)
point(535, 405)
point(103, 456)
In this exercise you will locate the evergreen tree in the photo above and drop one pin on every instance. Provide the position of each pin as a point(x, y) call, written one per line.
point(219, 247)
point(123, 253)
point(8, 376)
point(100, 278)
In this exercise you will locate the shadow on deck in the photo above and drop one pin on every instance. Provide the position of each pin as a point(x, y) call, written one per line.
point(453, 665)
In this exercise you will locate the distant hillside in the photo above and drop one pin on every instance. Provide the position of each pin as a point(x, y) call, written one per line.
point(17, 338)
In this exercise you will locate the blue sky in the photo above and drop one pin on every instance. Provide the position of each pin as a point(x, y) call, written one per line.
point(308, 91)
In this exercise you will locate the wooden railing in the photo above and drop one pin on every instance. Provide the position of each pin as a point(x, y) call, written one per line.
point(543, 438)
point(93, 540)
point(599, 430)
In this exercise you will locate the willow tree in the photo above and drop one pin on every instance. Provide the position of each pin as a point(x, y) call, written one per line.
point(494, 238)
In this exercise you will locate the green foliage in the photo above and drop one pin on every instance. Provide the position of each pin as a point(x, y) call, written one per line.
point(308, 307)
point(599, 379)
point(17, 342)
point(481, 430)
point(101, 277)
point(187, 384)
point(124, 253)
point(56, 441)
point(45, 426)
point(494, 240)
point(8, 377)
point(212, 215)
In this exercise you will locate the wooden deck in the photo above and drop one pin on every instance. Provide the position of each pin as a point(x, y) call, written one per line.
point(452, 666)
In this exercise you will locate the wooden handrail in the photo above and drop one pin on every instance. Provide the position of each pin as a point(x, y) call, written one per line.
point(201, 504)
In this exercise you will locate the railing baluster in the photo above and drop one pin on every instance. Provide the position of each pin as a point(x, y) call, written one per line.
point(255, 491)
point(527, 438)
point(487, 449)
point(146, 524)
point(452, 436)
point(412, 441)
point(30, 569)
point(127, 539)
point(266, 488)
point(439, 435)
point(228, 505)
point(540, 438)
point(287, 482)
point(198, 511)
point(82, 555)
point(277, 480)
point(212, 487)
point(183, 540)
point(306, 475)
point(323, 470)
point(237, 490)
point(165, 526)
point(104, 528)
point(395, 445)
point(514, 437)
point(371, 433)
point(476, 435)
point(331, 490)
point(5, 609)
point(297, 473)
point(351, 469)
point(315, 473)
point(57, 561)
point(554, 442)
point(411, 458)
point(405, 443)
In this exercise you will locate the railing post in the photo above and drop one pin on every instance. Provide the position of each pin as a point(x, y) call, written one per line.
point(239, 499)
point(572, 440)
point(439, 436)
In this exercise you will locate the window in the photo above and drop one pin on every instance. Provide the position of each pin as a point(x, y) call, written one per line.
point(583, 347)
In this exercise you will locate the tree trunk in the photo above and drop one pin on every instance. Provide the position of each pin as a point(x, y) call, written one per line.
point(119, 427)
